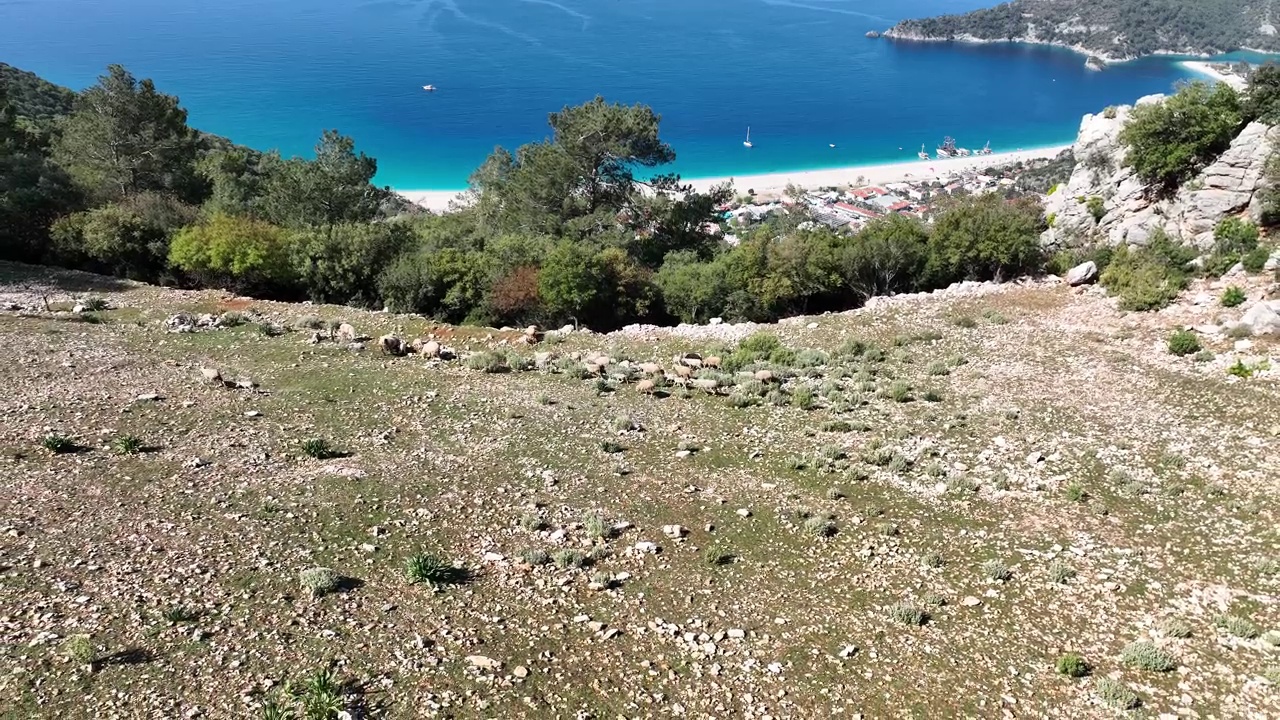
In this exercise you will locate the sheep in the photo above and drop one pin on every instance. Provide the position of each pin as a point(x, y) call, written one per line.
point(709, 385)
point(764, 376)
point(391, 345)
point(682, 372)
point(645, 386)
point(711, 362)
point(650, 368)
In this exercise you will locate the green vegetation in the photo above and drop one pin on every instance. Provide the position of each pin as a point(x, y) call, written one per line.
point(1183, 342)
point(319, 581)
point(127, 445)
point(433, 571)
point(562, 230)
point(1116, 694)
point(58, 444)
point(1147, 656)
point(1148, 278)
point(1072, 665)
point(317, 448)
point(1232, 297)
point(1169, 142)
point(1116, 29)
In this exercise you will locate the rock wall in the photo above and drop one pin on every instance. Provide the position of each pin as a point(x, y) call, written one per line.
point(1229, 186)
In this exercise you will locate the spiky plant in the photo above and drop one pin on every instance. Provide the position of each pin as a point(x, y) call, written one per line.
point(432, 570)
point(127, 445)
point(58, 444)
point(317, 448)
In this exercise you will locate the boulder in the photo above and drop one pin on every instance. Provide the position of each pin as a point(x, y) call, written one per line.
point(1085, 272)
point(1263, 317)
point(346, 333)
point(211, 375)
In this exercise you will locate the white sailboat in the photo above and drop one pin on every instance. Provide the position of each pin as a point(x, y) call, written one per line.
point(747, 142)
point(923, 155)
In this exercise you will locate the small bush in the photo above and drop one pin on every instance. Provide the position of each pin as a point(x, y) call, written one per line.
point(965, 321)
point(317, 448)
point(79, 649)
point(1117, 694)
point(932, 396)
point(938, 368)
point(487, 362)
point(127, 445)
point(1240, 370)
point(1232, 296)
point(532, 522)
point(1096, 208)
point(566, 559)
point(534, 556)
point(270, 329)
point(97, 304)
point(1239, 332)
point(887, 529)
point(1175, 628)
point(1072, 665)
point(835, 493)
point(900, 391)
point(741, 400)
point(1272, 638)
point(310, 322)
point(837, 426)
point(715, 556)
point(625, 423)
point(596, 527)
point(1061, 572)
point(429, 569)
point(1149, 278)
point(1272, 673)
point(995, 569)
point(1075, 492)
point(516, 362)
point(1255, 260)
point(1204, 356)
point(1237, 626)
point(1146, 656)
point(907, 614)
point(933, 599)
point(811, 358)
point(821, 526)
point(58, 444)
point(931, 560)
point(1183, 343)
point(232, 318)
point(802, 397)
point(611, 447)
point(180, 614)
point(319, 581)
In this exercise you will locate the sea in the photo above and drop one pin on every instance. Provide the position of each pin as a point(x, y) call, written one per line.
point(815, 92)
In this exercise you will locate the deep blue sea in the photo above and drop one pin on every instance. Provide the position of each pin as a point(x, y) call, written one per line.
point(800, 73)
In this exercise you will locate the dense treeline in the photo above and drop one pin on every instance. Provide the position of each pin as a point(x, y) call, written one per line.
point(554, 231)
point(1116, 28)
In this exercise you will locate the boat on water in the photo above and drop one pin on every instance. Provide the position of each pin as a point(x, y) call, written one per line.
point(429, 88)
point(986, 149)
point(747, 142)
point(947, 148)
point(922, 154)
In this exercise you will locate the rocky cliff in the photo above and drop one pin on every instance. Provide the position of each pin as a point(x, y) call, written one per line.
point(1104, 200)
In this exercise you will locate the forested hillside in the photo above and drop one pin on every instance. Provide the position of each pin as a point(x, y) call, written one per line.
point(33, 98)
point(1113, 29)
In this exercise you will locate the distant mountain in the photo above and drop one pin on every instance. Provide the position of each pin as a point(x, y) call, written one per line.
point(1113, 29)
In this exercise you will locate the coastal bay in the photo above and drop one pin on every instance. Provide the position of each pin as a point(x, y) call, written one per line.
point(802, 76)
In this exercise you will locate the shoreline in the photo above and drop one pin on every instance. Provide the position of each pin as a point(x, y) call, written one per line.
point(1206, 69)
point(776, 182)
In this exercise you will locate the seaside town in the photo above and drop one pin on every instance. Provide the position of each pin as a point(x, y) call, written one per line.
point(849, 207)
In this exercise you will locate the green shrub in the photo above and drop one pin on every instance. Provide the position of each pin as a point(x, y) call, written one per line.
point(938, 367)
point(907, 614)
point(1175, 628)
point(995, 569)
point(534, 556)
point(716, 556)
point(931, 560)
point(317, 448)
point(127, 445)
point(1115, 694)
point(1183, 343)
point(1169, 142)
point(837, 426)
point(432, 570)
point(319, 581)
point(1061, 572)
point(1149, 278)
point(1232, 296)
point(487, 361)
point(97, 304)
point(1072, 665)
point(900, 391)
point(567, 558)
point(1143, 655)
point(1097, 208)
point(1255, 260)
point(79, 649)
point(237, 252)
point(58, 444)
point(820, 525)
point(1237, 626)
point(802, 397)
point(810, 358)
point(1240, 370)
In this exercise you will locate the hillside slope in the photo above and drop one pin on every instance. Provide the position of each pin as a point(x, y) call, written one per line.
point(930, 503)
point(34, 98)
point(1112, 29)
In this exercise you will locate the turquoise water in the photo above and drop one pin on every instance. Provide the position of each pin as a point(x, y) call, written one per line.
point(274, 73)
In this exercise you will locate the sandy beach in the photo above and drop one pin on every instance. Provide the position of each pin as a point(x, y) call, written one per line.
point(1207, 70)
point(772, 183)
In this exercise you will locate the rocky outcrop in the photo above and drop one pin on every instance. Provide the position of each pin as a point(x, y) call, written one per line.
point(1103, 200)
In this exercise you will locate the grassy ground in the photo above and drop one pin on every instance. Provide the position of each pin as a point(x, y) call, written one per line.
point(1068, 486)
